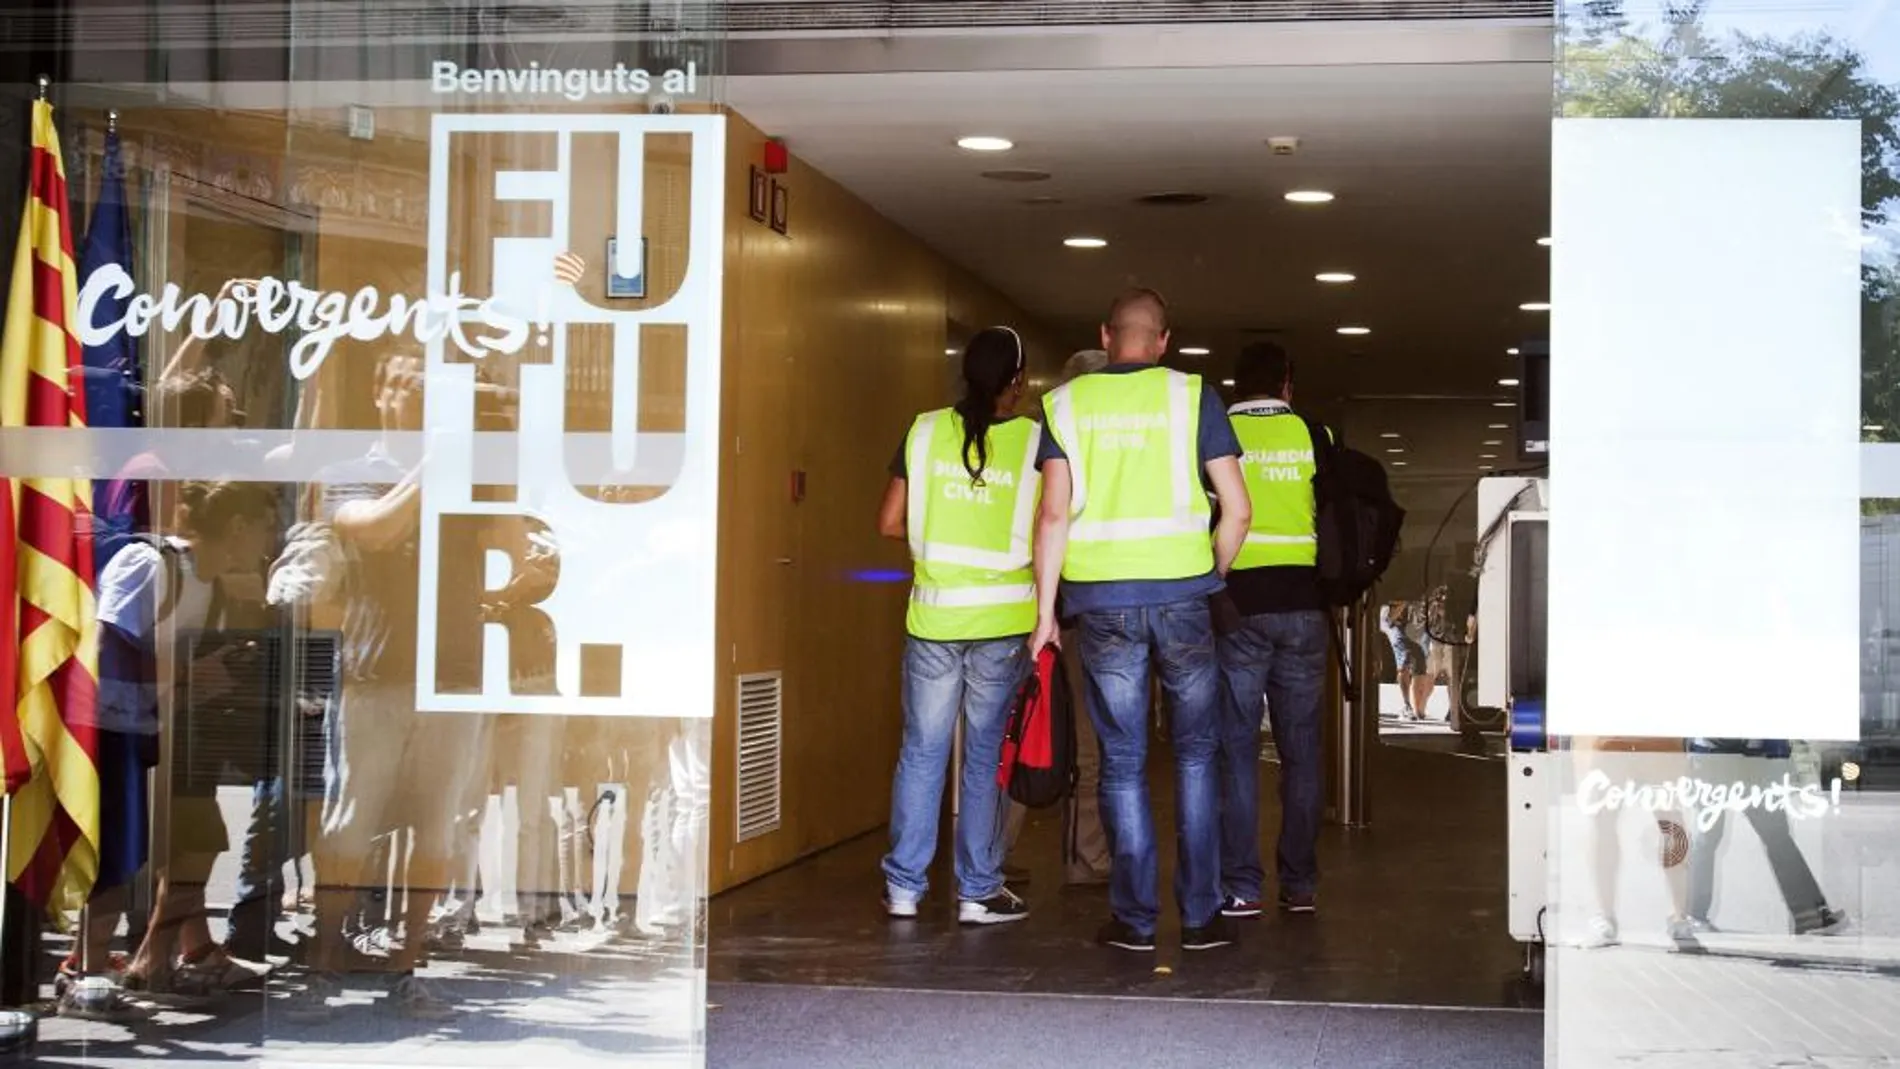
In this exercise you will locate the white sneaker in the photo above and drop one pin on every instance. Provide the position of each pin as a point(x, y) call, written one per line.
point(901, 908)
point(98, 998)
point(1600, 933)
point(1000, 908)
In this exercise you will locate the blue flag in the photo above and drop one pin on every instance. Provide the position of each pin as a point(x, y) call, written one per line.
point(114, 386)
point(114, 382)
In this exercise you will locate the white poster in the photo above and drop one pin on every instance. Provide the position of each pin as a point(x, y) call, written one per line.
point(620, 538)
point(1705, 400)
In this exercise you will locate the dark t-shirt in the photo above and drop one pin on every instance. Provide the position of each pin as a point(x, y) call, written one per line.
point(900, 464)
point(1216, 441)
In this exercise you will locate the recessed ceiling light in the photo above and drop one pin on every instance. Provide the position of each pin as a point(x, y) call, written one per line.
point(1504, 404)
point(1309, 196)
point(1395, 451)
point(1507, 382)
point(986, 144)
point(1485, 467)
point(1335, 276)
point(1500, 426)
point(1227, 382)
point(1535, 306)
point(1085, 243)
point(1390, 434)
point(1873, 428)
point(1194, 350)
point(1487, 456)
point(1399, 463)
point(1510, 352)
point(1545, 242)
point(949, 352)
point(1355, 331)
point(1494, 441)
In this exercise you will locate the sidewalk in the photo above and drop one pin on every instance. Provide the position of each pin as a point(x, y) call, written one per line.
point(1766, 1006)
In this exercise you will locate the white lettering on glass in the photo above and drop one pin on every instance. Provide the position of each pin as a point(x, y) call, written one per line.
point(322, 317)
point(446, 76)
point(1598, 794)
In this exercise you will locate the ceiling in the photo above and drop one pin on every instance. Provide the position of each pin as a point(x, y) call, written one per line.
point(1441, 173)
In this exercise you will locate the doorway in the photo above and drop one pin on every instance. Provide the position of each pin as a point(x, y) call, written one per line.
point(1382, 223)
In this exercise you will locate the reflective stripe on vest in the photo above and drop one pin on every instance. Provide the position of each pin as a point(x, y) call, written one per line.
point(970, 543)
point(1138, 510)
point(1276, 460)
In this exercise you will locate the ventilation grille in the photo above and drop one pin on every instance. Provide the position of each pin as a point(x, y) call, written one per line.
point(449, 22)
point(761, 720)
point(280, 689)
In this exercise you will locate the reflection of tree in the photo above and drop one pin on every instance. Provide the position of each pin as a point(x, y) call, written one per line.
point(1610, 67)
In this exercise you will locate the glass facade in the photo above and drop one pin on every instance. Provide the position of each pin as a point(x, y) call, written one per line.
point(399, 334)
point(363, 577)
point(1717, 899)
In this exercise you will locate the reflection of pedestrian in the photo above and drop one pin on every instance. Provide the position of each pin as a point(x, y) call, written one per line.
point(388, 767)
point(1618, 758)
point(166, 599)
point(1754, 762)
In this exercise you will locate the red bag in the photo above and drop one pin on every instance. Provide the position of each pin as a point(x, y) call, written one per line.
point(1038, 765)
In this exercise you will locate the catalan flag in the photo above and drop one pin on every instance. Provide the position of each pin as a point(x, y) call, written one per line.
point(49, 738)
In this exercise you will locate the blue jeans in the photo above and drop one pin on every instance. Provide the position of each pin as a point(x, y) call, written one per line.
point(261, 860)
point(940, 679)
point(1280, 655)
point(1117, 650)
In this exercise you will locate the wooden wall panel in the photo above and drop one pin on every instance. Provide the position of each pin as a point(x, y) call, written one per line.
point(835, 338)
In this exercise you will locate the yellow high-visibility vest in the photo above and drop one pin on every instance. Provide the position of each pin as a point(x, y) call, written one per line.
point(1139, 511)
point(1276, 460)
point(969, 540)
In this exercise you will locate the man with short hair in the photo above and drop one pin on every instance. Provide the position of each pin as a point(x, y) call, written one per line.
point(1277, 649)
point(1122, 534)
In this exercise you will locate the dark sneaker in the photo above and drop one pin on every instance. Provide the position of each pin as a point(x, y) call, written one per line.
point(1218, 932)
point(1299, 902)
point(1122, 936)
point(1824, 921)
point(1236, 906)
point(1000, 908)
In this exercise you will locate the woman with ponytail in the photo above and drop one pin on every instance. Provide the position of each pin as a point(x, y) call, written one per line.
point(963, 495)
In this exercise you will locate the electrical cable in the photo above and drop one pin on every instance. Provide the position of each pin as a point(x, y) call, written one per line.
point(1484, 540)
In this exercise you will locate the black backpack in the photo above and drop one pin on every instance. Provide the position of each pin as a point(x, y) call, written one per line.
point(1355, 518)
